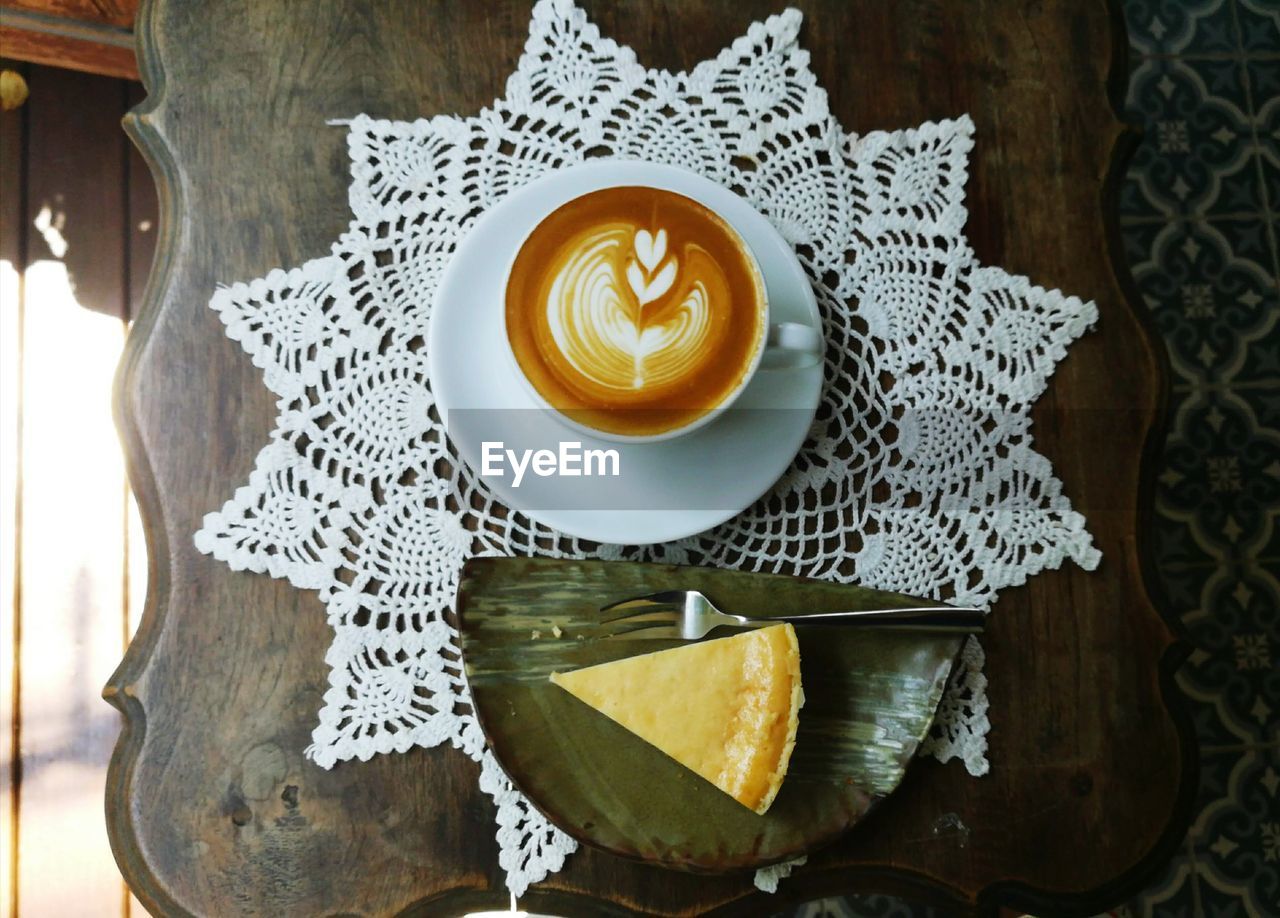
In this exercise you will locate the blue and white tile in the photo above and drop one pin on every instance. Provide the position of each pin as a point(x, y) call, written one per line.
point(1208, 289)
point(1238, 615)
point(1237, 834)
point(1194, 158)
point(1259, 24)
point(1231, 707)
point(1171, 896)
point(1264, 86)
point(1181, 26)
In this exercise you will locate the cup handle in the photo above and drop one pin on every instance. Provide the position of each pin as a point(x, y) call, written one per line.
point(791, 346)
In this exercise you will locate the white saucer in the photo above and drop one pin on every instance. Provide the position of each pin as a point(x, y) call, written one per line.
point(690, 483)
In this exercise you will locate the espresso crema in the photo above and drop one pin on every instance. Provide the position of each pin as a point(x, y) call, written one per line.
point(635, 310)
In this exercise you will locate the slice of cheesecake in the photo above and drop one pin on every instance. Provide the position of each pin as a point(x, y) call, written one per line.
point(726, 709)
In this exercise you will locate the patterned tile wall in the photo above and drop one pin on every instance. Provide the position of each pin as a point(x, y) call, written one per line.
point(1200, 214)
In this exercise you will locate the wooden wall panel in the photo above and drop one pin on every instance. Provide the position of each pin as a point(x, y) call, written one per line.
point(117, 13)
point(94, 36)
point(12, 247)
point(72, 490)
point(77, 216)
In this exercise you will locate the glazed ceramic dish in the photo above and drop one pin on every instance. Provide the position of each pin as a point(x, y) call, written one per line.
point(870, 698)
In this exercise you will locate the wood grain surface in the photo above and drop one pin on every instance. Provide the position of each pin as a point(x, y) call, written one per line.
point(212, 807)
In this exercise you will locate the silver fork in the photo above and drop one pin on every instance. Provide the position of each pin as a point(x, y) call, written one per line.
point(689, 615)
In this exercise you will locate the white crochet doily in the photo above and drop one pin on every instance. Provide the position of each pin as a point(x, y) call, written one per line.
point(919, 475)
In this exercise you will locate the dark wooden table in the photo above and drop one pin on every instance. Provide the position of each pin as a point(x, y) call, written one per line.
point(212, 807)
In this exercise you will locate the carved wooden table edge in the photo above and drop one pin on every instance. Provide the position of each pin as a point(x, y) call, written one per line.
point(1131, 881)
point(119, 690)
point(120, 693)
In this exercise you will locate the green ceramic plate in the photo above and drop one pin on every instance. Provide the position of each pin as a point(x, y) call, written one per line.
point(869, 700)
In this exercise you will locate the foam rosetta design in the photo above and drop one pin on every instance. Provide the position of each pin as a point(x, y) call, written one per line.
point(618, 334)
point(647, 274)
point(920, 475)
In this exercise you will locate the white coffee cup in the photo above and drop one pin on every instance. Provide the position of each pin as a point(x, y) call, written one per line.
point(782, 346)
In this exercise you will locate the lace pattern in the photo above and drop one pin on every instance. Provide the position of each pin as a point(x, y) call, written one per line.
point(919, 474)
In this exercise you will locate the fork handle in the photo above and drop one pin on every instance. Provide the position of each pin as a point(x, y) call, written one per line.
point(936, 619)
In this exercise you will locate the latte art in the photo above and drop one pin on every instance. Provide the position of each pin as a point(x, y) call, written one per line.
point(617, 332)
point(650, 250)
point(634, 310)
